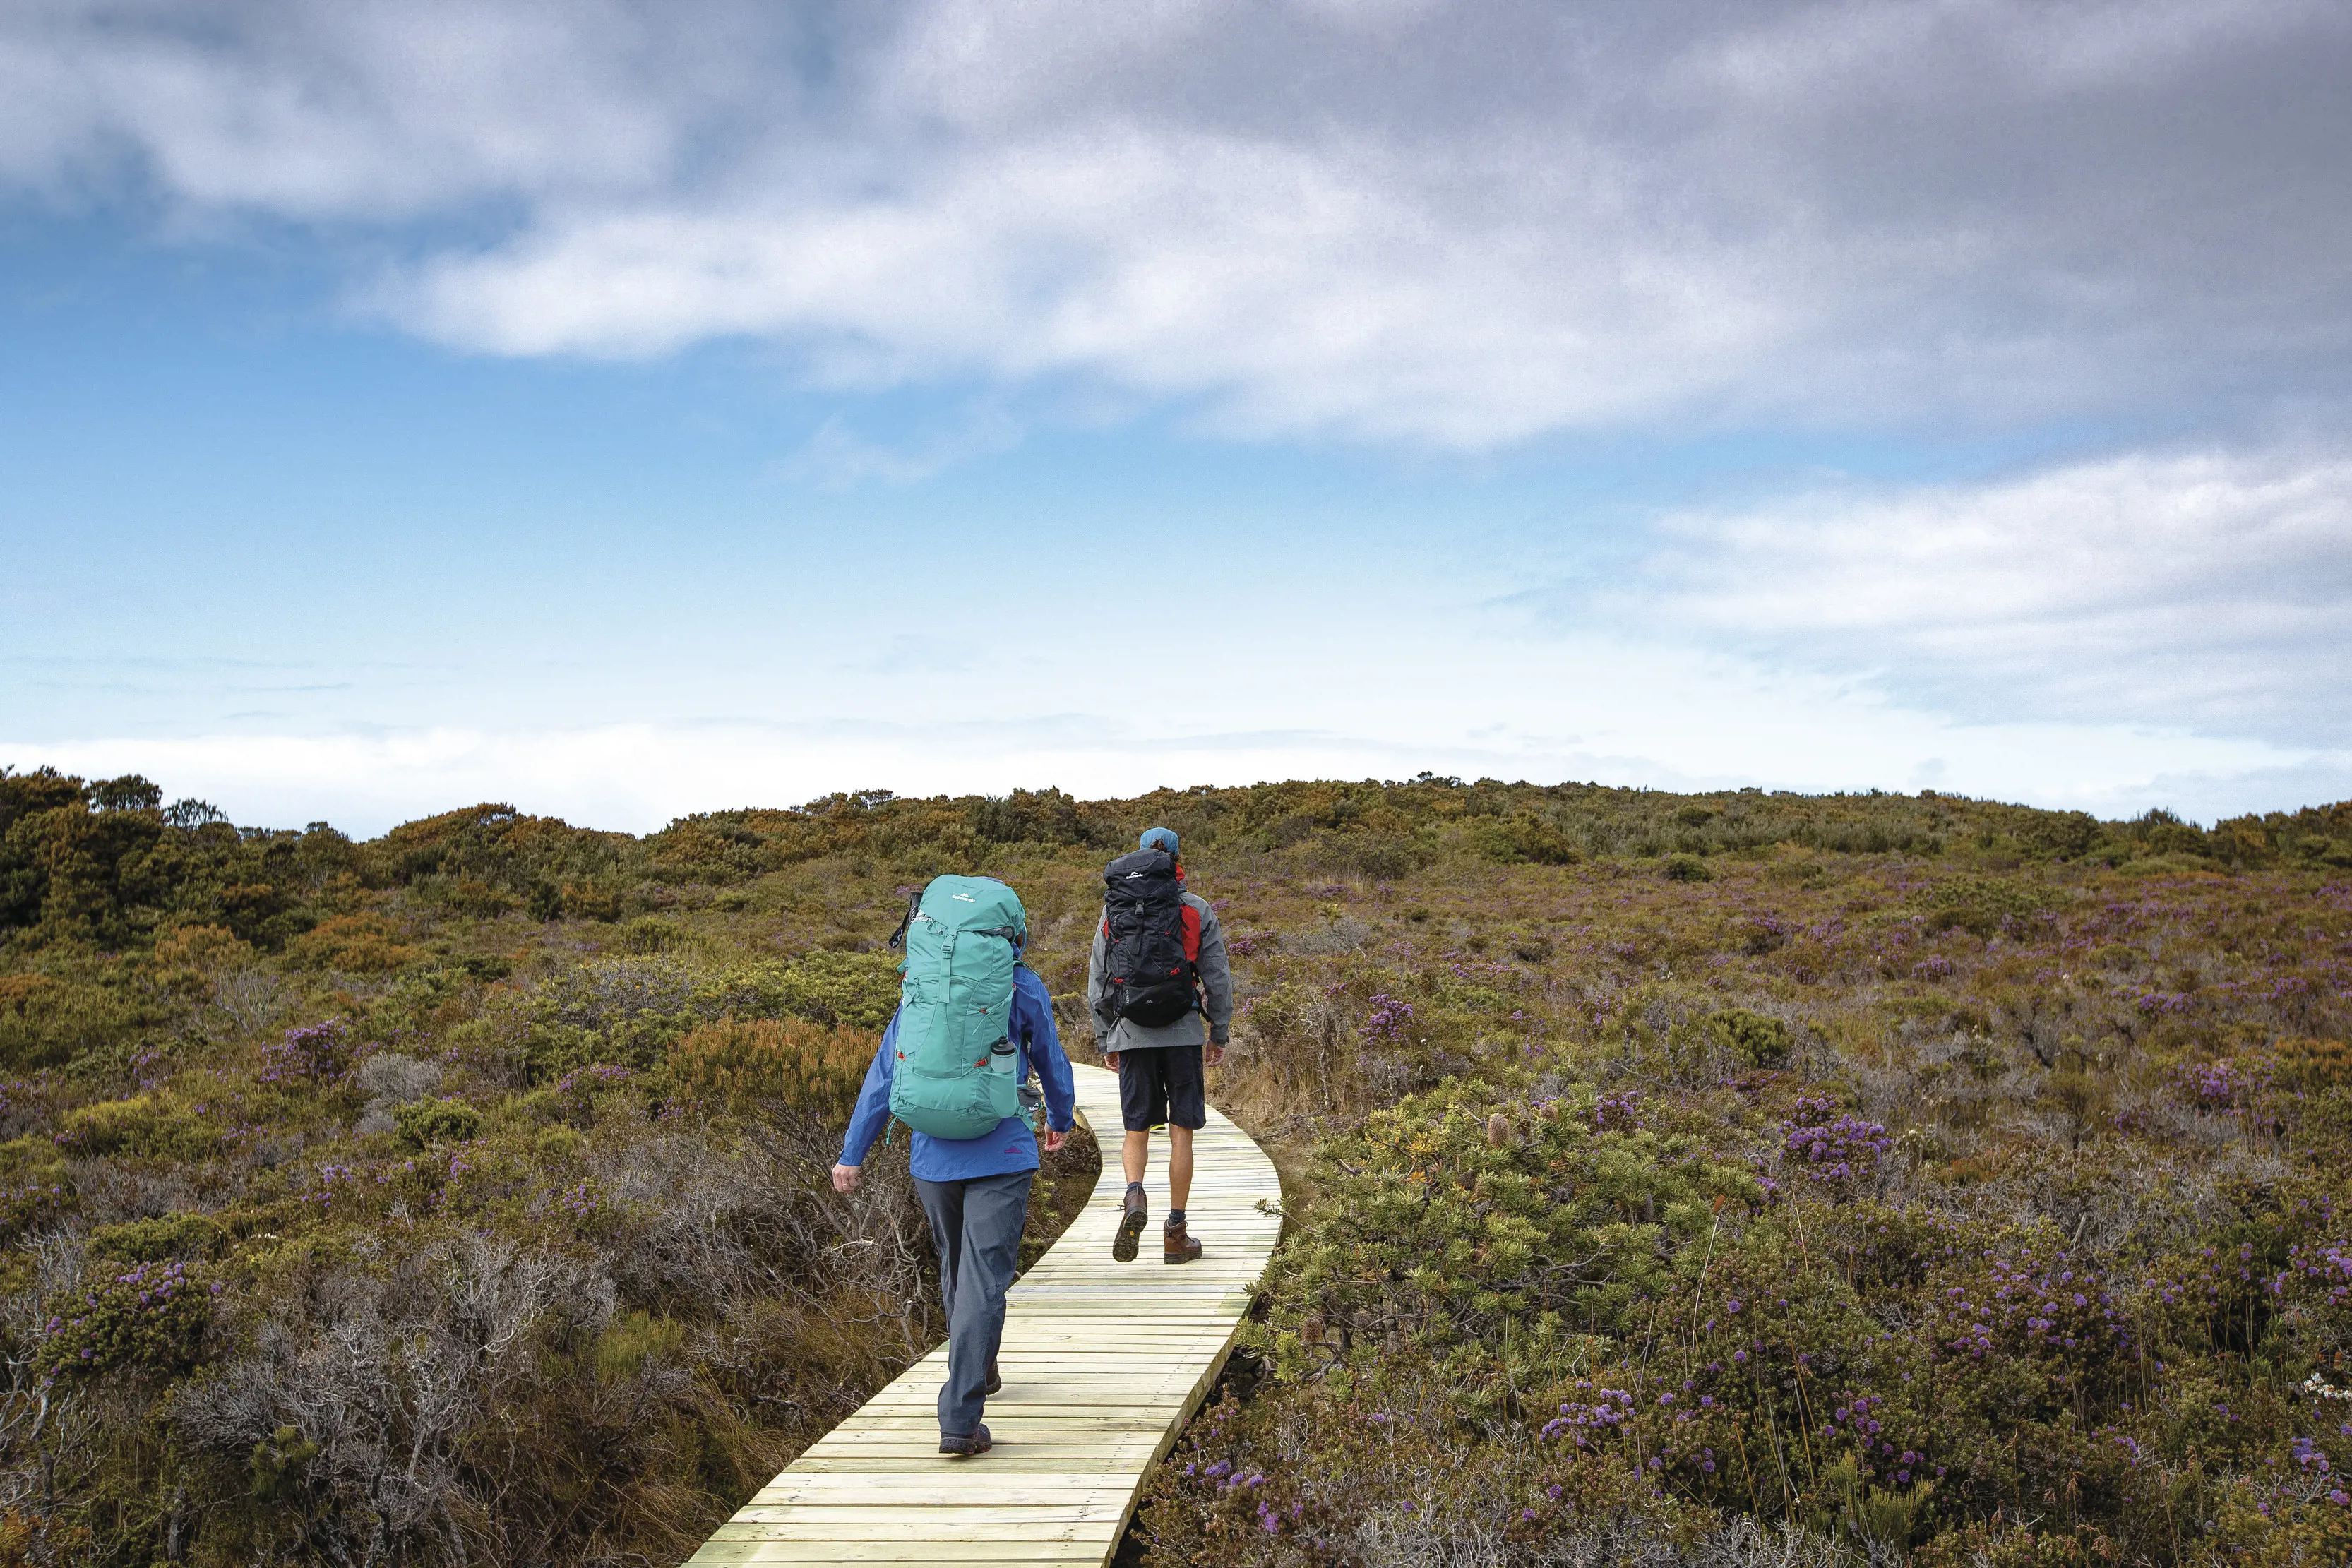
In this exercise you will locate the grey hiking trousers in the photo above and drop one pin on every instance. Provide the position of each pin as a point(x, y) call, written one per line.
point(977, 1224)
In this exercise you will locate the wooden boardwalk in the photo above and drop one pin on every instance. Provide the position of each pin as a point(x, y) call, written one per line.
point(1101, 1361)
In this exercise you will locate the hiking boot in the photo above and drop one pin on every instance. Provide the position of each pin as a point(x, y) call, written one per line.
point(1130, 1226)
point(994, 1384)
point(1178, 1245)
point(970, 1445)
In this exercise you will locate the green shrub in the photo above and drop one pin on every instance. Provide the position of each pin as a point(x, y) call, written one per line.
point(2062, 835)
point(2164, 833)
point(48, 1021)
point(144, 1125)
point(35, 1205)
point(280, 1465)
point(651, 934)
point(636, 1338)
point(1381, 856)
point(1432, 1230)
point(1975, 922)
point(1525, 837)
point(858, 991)
point(1685, 868)
point(149, 1318)
point(1754, 1038)
point(423, 1122)
point(157, 1240)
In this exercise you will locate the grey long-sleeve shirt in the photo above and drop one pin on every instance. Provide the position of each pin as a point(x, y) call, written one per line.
point(1216, 993)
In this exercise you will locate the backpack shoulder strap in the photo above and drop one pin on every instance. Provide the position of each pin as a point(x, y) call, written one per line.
point(907, 921)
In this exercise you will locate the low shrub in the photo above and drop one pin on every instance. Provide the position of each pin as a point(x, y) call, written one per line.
point(48, 1021)
point(425, 1122)
point(854, 990)
point(1751, 1039)
point(311, 1055)
point(160, 1240)
point(150, 1318)
point(145, 1125)
point(766, 1065)
point(354, 944)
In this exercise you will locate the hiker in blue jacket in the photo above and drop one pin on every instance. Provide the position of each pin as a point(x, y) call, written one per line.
point(975, 1193)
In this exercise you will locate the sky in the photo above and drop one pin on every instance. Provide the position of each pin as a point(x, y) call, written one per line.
point(629, 408)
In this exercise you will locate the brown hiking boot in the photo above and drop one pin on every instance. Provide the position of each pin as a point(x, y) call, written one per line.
point(1178, 1245)
point(1130, 1226)
point(970, 1446)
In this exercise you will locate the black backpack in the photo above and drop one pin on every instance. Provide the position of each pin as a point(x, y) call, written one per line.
point(1148, 965)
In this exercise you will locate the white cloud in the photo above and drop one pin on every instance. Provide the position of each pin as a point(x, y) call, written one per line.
point(1455, 224)
point(372, 111)
point(1293, 292)
point(2211, 588)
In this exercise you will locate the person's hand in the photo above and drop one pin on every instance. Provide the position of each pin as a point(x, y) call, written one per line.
point(1214, 1056)
point(846, 1177)
point(1110, 1059)
point(1053, 1141)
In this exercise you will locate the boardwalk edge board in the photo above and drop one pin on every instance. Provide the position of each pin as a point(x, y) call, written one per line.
point(1104, 1362)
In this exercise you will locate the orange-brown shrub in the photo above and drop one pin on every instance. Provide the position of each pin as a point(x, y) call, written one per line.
point(18, 992)
point(766, 1064)
point(201, 947)
point(355, 944)
point(2316, 1064)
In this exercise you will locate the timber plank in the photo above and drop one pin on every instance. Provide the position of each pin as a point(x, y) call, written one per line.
point(831, 1523)
point(904, 1550)
point(1030, 1459)
point(904, 1493)
point(1059, 1553)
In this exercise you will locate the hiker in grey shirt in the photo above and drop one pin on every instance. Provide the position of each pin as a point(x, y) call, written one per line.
point(1157, 985)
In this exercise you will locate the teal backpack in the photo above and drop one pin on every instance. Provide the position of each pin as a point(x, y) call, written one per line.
point(957, 1071)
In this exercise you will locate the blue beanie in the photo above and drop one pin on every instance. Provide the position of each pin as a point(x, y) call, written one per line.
point(1157, 839)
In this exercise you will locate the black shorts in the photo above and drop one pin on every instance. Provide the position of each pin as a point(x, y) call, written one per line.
point(1162, 1083)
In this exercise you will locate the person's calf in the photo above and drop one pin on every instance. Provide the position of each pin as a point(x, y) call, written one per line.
point(1180, 1166)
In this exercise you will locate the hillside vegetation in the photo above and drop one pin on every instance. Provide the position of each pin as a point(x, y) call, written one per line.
point(1734, 1178)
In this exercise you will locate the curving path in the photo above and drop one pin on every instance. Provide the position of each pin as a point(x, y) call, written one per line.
point(1102, 1362)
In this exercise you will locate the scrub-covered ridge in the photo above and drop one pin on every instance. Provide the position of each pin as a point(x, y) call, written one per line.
point(1927, 1178)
